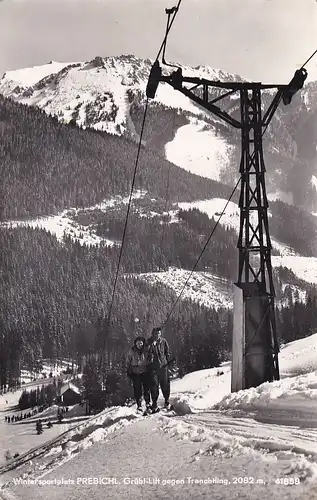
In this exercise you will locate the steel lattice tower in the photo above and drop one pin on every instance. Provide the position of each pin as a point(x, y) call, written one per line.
point(255, 278)
point(254, 347)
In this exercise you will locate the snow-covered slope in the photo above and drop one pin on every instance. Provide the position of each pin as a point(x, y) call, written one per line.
point(298, 370)
point(266, 435)
point(199, 150)
point(47, 368)
point(304, 268)
point(204, 288)
point(231, 217)
point(30, 76)
point(63, 224)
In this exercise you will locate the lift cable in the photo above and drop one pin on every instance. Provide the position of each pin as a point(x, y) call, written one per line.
point(164, 223)
point(166, 202)
point(303, 65)
point(201, 253)
point(280, 98)
point(269, 121)
point(174, 10)
point(125, 229)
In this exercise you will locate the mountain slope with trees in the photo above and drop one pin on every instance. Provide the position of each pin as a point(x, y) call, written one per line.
point(55, 303)
point(47, 166)
point(109, 94)
point(55, 297)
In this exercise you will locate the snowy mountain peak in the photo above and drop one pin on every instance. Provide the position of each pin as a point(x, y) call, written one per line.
point(97, 93)
point(215, 74)
point(108, 94)
point(30, 76)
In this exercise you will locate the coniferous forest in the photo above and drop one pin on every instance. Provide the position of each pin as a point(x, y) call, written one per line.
point(55, 296)
point(47, 166)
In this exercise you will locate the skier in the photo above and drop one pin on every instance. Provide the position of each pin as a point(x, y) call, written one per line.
point(39, 427)
point(159, 358)
point(137, 372)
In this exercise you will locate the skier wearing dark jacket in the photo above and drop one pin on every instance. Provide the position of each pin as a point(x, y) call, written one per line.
point(137, 364)
point(158, 358)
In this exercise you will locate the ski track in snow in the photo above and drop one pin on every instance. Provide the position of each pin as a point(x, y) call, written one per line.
point(235, 433)
point(214, 447)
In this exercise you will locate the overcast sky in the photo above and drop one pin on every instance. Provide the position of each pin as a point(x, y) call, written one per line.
point(258, 39)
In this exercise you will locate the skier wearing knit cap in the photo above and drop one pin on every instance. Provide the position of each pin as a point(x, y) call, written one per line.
point(137, 360)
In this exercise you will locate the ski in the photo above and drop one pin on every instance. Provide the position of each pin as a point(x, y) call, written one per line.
point(170, 411)
point(147, 413)
point(150, 412)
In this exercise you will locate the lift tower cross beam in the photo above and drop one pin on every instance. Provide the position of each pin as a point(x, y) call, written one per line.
point(254, 347)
